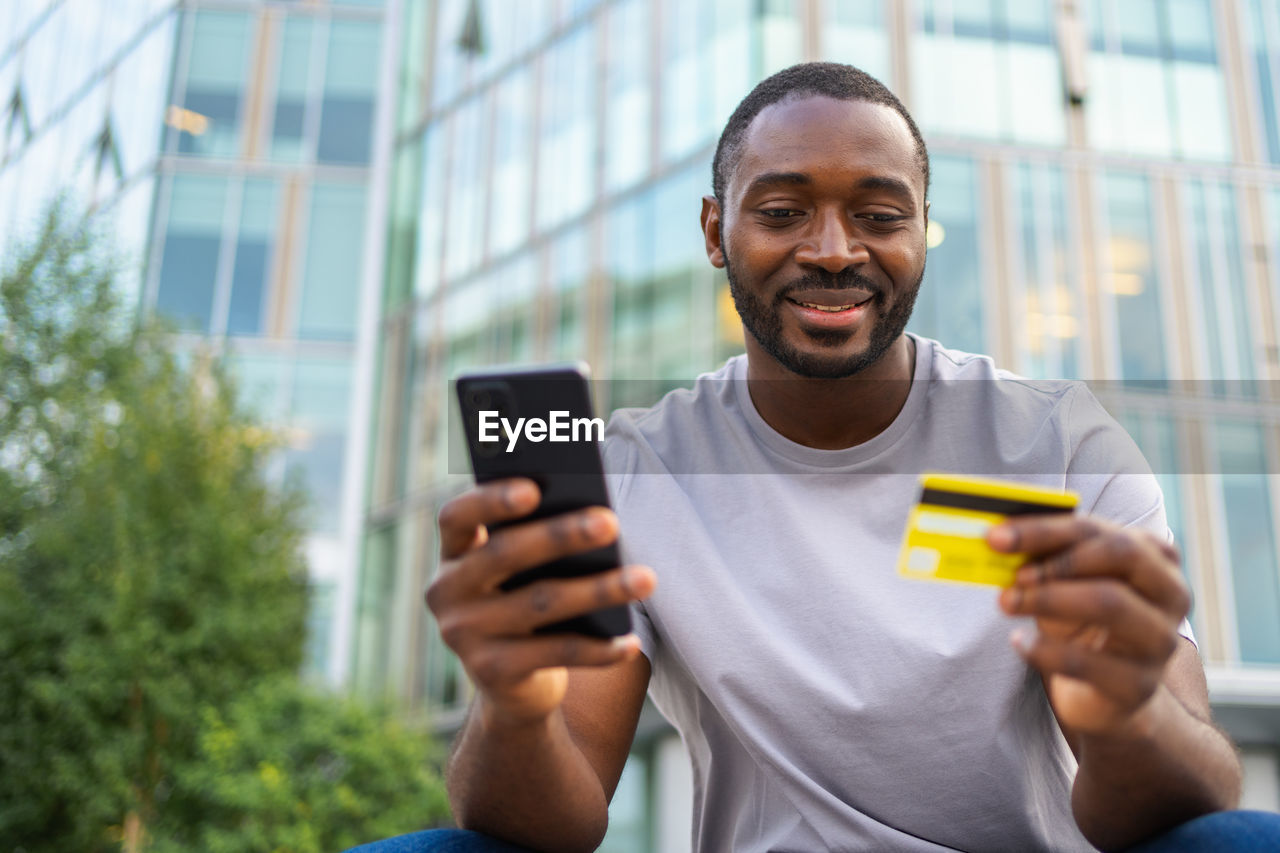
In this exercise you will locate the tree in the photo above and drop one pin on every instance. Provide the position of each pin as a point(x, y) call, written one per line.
point(153, 598)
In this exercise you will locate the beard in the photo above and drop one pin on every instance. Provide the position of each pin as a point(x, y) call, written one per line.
point(764, 322)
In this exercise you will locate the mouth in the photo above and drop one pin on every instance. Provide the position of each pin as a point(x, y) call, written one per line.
point(831, 309)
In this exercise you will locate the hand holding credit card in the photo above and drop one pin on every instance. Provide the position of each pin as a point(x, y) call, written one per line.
point(946, 530)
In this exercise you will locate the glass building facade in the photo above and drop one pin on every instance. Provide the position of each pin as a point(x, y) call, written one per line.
point(233, 149)
point(1105, 206)
point(352, 200)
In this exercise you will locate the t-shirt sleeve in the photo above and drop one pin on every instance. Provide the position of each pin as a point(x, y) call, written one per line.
point(619, 457)
point(1112, 476)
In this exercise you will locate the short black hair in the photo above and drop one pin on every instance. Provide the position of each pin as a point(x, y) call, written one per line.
point(828, 79)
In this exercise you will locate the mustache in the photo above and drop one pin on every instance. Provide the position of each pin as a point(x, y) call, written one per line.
point(847, 279)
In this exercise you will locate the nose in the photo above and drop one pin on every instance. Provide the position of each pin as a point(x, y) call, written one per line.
point(831, 243)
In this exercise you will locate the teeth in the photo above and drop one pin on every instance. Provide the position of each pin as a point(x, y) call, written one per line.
point(831, 309)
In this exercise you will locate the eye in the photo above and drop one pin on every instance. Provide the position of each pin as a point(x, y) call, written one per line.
point(780, 213)
point(883, 217)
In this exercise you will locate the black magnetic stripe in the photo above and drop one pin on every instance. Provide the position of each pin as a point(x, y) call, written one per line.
point(982, 503)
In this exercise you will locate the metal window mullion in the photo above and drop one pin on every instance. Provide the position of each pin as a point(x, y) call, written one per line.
point(1077, 235)
point(182, 64)
point(230, 237)
point(1271, 28)
point(1163, 268)
point(1110, 338)
point(1016, 262)
point(1223, 295)
point(159, 231)
point(1199, 344)
point(1220, 548)
point(320, 33)
point(1044, 255)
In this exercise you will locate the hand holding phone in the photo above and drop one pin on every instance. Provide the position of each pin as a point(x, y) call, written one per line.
point(537, 422)
point(494, 632)
point(520, 572)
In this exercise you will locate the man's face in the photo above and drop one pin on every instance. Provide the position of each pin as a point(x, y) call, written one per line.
point(823, 233)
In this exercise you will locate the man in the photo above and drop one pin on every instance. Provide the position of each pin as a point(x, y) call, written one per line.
point(826, 702)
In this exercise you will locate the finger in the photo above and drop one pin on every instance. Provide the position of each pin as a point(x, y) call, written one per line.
point(523, 546)
point(1036, 535)
point(505, 663)
point(1126, 682)
point(550, 601)
point(1133, 556)
point(501, 500)
point(1133, 626)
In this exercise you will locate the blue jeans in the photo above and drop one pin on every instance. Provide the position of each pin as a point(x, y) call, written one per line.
point(1237, 832)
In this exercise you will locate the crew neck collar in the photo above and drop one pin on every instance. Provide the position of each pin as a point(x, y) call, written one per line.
point(847, 456)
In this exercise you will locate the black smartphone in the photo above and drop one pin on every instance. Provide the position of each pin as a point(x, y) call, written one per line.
point(537, 422)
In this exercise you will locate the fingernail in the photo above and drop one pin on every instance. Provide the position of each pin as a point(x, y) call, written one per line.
point(636, 579)
point(596, 524)
point(1001, 537)
point(1010, 599)
point(625, 643)
point(1021, 639)
point(519, 495)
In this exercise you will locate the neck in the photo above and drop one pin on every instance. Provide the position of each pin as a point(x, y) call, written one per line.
point(831, 414)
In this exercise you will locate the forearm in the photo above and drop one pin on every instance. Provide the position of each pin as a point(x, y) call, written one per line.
point(1167, 768)
point(526, 782)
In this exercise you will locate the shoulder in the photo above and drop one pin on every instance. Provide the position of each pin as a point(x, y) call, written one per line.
point(977, 383)
point(657, 437)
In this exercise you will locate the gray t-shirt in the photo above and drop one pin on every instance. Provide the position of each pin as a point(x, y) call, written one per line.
point(827, 702)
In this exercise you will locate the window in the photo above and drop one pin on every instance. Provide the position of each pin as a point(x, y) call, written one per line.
point(687, 118)
point(1216, 278)
point(854, 32)
point(1156, 88)
point(512, 185)
point(208, 120)
point(318, 421)
point(464, 220)
point(628, 105)
point(351, 77)
point(206, 285)
point(570, 264)
point(1044, 272)
point(192, 241)
point(431, 212)
point(515, 317)
point(137, 104)
point(293, 90)
point(331, 273)
point(1005, 48)
point(949, 306)
point(373, 610)
point(1130, 278)
point(567, 143)
point(1262, 35)
point(629, 813)
point(252, 265)
point(320, 608)
point(1246, 502)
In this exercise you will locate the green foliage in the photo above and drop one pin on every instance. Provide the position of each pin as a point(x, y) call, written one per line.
point(285, 769)
point(153, 600)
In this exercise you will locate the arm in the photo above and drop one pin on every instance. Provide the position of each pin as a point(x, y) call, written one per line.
point(552, 720)
point(1129, 693)
point(1172, 739)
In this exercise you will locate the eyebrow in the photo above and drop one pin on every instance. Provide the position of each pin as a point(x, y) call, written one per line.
point(769, 180)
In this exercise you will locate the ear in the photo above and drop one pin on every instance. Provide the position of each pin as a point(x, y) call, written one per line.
point(711, 231)
point(926, 217)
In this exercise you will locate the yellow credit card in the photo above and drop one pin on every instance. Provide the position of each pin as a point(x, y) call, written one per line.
point(946, 531)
